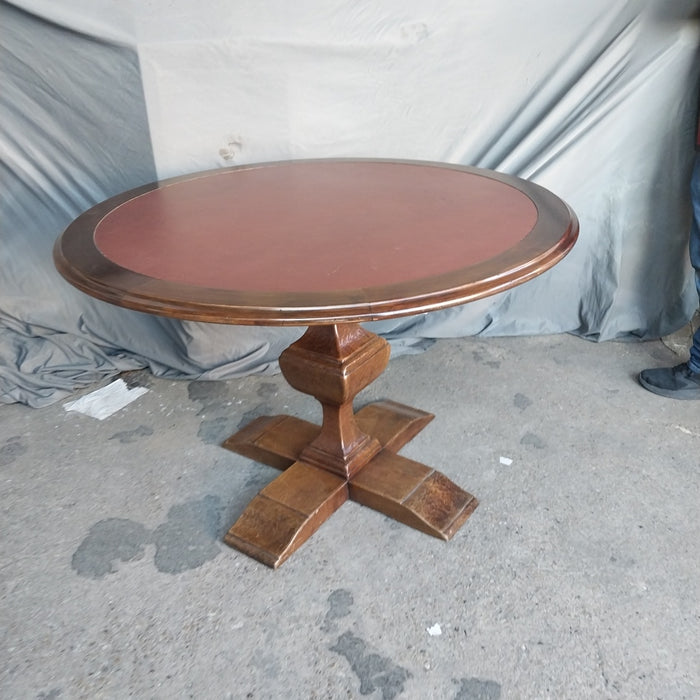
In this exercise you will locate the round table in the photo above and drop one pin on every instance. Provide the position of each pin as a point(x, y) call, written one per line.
point(326, 244)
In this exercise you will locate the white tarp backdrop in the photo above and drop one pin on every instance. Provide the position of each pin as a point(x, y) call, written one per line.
point(594, 99)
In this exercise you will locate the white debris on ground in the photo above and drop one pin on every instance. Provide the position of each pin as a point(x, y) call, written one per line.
point(103, 402)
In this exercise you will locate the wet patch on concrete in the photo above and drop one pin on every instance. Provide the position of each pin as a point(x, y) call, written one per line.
point(374, 671)
point(477, 689)
point(219, 419)
point(129, 436)
point(534, 440)
point(213, 431)
point(263, 409)
point(13, 448)
point(267, 390)
point(258, 479)
point(339, 605)
point(479, 357)
point(136, 378)
point(521, 401)
point(108, 542)
point(208, 393)
point(189, 538)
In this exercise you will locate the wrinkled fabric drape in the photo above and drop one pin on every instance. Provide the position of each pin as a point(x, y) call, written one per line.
point(594, 99)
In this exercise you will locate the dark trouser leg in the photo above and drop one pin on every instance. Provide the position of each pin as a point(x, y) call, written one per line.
point(694, 362)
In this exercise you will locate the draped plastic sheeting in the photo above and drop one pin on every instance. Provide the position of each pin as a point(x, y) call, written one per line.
point(594, 99)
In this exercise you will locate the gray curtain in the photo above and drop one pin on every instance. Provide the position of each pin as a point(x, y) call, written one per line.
point(593, 99)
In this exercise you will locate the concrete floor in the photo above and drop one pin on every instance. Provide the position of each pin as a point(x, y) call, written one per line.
point(576, 577)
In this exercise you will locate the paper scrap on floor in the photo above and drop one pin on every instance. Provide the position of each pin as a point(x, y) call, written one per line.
point(103, 402)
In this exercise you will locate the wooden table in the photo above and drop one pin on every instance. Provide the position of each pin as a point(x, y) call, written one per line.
point(326, 244)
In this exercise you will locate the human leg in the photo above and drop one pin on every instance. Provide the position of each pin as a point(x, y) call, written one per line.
point(683, 380)
point(694, 361)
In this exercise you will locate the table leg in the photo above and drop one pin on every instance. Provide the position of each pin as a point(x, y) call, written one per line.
point(349, 455)
point(287, 512)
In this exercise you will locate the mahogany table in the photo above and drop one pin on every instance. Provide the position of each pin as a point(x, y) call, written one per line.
point(326, 244)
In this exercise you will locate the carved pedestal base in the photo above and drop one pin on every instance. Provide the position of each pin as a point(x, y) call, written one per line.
point(349, 456)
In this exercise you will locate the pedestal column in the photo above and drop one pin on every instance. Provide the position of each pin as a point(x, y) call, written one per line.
point(333, 364)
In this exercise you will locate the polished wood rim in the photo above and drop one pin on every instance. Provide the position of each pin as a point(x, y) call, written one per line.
point(79, 260)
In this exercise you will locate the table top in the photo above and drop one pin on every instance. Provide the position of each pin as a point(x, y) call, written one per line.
point(316, 241)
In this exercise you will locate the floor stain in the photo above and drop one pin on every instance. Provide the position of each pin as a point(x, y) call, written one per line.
point(128, 436)
point(108, 542)
point(374, 671)
point(477, 689)
point(207, 392)
point(340, 603)
point(479, 357)
point(267, 390)
point(189, 538)
point(521, 401)
point(219, 420)
point(137, 378)
point(13, 448)
point(257, 480)
point(213, 431)
point(263, 409)
point(534, 440)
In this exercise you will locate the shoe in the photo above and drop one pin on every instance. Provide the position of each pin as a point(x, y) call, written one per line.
point(679, 382)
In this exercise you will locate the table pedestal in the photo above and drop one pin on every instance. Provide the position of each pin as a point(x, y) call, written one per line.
point(352, 455)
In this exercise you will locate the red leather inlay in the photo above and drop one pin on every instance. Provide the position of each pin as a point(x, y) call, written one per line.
point(310, 227)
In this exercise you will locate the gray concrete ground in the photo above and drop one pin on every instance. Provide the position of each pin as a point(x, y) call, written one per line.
point(577, 576)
